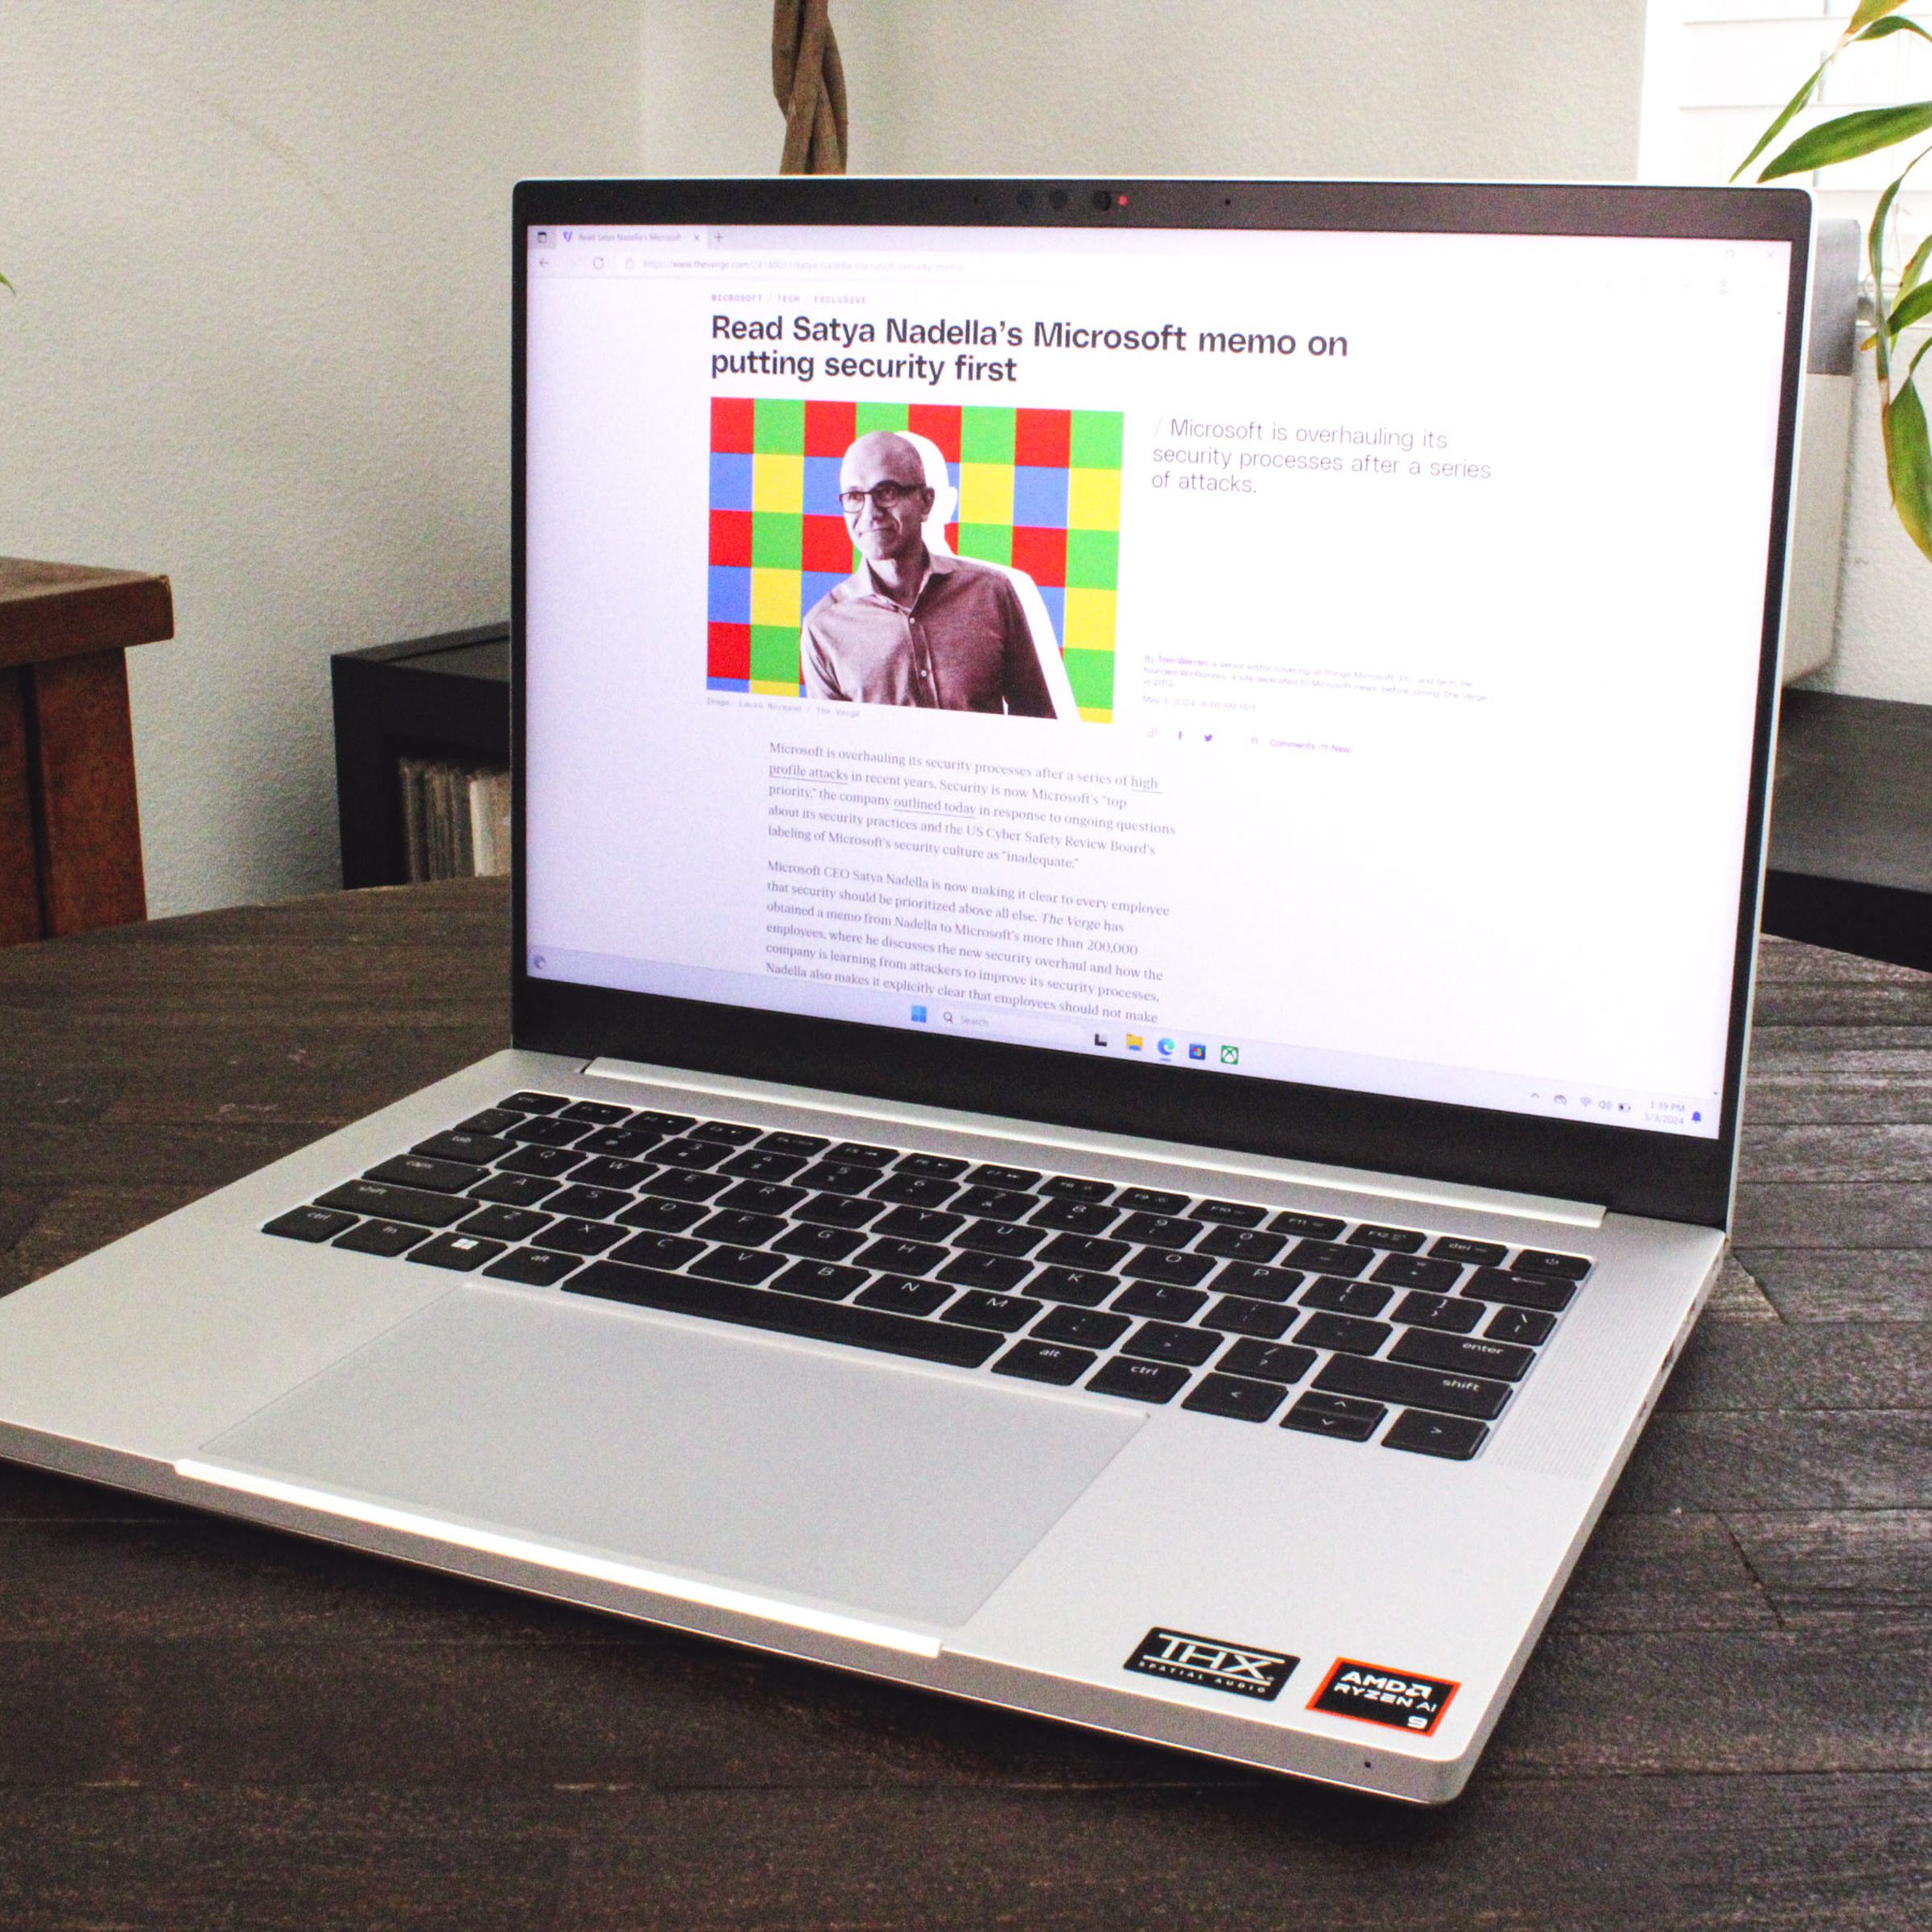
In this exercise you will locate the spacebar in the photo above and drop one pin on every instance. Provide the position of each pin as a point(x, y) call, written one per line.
point(787, 1313)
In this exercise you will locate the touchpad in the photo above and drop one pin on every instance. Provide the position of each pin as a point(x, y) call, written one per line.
point(895, 1491)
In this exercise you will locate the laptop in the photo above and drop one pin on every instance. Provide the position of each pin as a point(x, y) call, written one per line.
point(1139, 815)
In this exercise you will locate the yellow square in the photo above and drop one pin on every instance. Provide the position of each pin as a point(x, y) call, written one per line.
point(986, 493)
point(1093, 499)
point(770, 688)
point(778, 483)
point(1089, 618)
point(776, 595)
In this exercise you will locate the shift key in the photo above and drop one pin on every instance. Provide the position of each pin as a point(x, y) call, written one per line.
point(1382, 1381)
point(416, 1204)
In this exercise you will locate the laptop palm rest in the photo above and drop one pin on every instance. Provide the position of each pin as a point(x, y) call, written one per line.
point(889, 1492)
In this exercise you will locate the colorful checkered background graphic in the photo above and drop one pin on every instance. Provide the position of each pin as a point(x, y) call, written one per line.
point(1039, 489)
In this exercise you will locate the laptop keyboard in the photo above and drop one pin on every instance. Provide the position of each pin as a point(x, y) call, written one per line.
point(1359, 1331)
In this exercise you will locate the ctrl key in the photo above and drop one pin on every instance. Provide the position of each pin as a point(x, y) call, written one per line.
point(1342, 1416)
point(1140, 1381)
point(309, 1223)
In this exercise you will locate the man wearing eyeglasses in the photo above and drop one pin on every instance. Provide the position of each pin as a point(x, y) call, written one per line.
point(910, 626)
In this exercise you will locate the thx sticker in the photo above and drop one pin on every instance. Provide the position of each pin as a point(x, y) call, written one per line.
point(1238, 1668)
point(1378, 1695)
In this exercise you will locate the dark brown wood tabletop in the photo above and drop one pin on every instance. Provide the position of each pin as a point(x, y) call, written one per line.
point(1728, 1724)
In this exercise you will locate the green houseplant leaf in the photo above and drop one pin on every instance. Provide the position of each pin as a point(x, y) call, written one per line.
point(1850, 136)
point(1909, 463)
point(1868, 11)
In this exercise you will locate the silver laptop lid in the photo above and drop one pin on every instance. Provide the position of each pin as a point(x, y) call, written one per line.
point(1287, 665)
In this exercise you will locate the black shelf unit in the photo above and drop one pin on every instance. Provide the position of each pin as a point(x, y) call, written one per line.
point(445, 696)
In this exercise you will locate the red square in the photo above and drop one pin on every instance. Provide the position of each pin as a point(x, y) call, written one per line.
point(1041, 553)
point(827, 545)
point(831, 428)
point(731, 424)
point(728, 654)
point(952, 537)
point(731, 537)
point(1043, 436)
point(939, 423)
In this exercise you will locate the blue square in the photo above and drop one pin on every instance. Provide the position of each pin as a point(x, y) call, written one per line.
point(821, 486)
point(1197, 1051)
point(726, 684)
point(1054, 598)
point(730, 598)
point(730, 481)
point(815, 584)
point(919, 1014)
point(1039, 497)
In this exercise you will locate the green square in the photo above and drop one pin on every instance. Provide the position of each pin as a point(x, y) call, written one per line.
point(1097, 438)
point(1089, 672)
point(986, 435)
point(777, 427)
point(882, 416)
point(990, 543)
point(1093, 558)
point(774, 654)
point(777, 539)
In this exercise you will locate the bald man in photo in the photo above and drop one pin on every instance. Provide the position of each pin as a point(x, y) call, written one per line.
point(910, 626)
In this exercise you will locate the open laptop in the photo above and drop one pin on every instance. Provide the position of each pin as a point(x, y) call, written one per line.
point(1140, 817)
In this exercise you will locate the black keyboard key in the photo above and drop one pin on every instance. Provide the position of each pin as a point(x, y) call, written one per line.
point(1165, 1264)
point(381, 1237)
point(1227, 1213)
point(914, 1190)
point(665, 1123)
point(1336, 1415)
point(630, 1143)
point(1519, 1290)
point(1481, 1254)
point(607, 1170)
point(1419, 1271)
point(659, 1251)
point(1396, 1240)
point(729, 1133)
point(1310, 1227)
point(917, 1224)
point(1007, 1313)
point(741, 1228)
point(825, 1281)
point(1540, 1260)
point(1454, 1436)
point(536, 1103)
point(1242, 1244)
point(1149, 1200)
point(820, 1244)
point(935, 1166)
point(478, 1150)
point(582, 1237)
point(1438, 1311)
point(747, 1266)
point(1238, 1315)
point(1070, 1187)
point(1347, 1297)
point(900, 1257)
point(1162, 1341)
point(838, 1210)
point(845, 1322)
point(902, 1297)
point(987, 1175)
point(667, 1216)
point(760, 1197)
point(599, 1113)
point(491, 1120)
point(1084, 1251)
point(458, 1252)
point(1413, 1387)
point(796, 1143)
point(589, 1203)
point(309, 1223)
point(420, 1171)
point(1262, 1284)
point(545, 1133)
point(761, 1164)
point(548, 1163)
point(1080, 1285)
point(992, 1203)
point(685, 1184)
point(389, 1203)
point(1229, 1395)
point(534, 1267)
point(999, 1237)
point(1271, 1361)
point(515, 1189)
point(1467, 1354)
point(1045, 1362)
point(1157, 1230)
point(998, 1272)
point(864, 1153)
point(1161, 1300)
point(1524, 1325)
point(1140, 1381)
point(1344, 1332)
point(838, 1177)
point(1085, 1327)
point(1330, 1257)
point(690, 1154)
point(505, 1224)
point(1076, 1217)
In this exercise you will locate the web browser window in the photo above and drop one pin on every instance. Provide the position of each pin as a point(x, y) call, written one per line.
point(1324, 656)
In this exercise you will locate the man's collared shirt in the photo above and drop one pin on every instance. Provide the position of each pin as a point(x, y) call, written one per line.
point(964, 645)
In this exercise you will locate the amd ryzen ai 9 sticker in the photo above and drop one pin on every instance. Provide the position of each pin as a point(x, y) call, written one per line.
point(1206, 1659)
point(1378, 1695)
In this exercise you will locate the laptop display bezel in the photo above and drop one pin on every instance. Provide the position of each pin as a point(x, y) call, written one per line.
point(1627, 1170)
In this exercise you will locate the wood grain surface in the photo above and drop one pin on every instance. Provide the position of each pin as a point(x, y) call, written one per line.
point(1729, 1723)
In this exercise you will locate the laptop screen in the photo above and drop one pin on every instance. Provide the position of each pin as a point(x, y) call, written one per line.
point(1310, 656)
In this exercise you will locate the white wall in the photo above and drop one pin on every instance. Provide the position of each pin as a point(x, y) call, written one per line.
point(260, 343)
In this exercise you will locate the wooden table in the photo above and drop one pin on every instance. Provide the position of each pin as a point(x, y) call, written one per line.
point(203, 1724)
